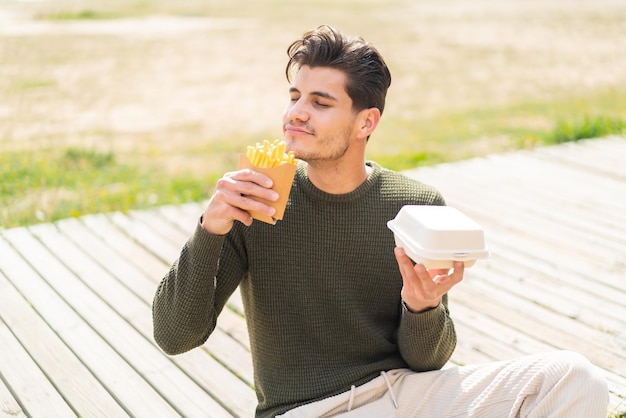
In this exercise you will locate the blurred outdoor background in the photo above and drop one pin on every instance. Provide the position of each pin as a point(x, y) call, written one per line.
point(117, 105)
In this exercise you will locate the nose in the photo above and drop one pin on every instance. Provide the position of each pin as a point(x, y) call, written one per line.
point(296, 111)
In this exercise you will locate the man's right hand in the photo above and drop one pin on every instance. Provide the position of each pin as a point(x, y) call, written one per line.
point(231, 200)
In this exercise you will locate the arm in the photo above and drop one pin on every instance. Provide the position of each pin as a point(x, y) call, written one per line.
point(188, 300)
point(210, 266)
point(426, 336)
point(427, 339)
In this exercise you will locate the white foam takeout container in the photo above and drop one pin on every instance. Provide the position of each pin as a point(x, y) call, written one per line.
point(438, 235)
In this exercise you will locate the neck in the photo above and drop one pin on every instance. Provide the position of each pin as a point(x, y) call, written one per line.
point(337, 179)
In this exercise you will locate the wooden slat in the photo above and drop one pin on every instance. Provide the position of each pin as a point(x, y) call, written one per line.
point(229, 352)
point(36, 393)
point(149, 238)
point(184, 217)
point(125, 246)
point(8, 405)
point(65, 308)
point(106, 256)
point(128, 328)
point(166, 231)
point(570, 154)
point(74, 382)
point(233, 323)
point(124, 294)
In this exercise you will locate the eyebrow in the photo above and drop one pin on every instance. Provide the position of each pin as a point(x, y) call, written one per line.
point(315, 93)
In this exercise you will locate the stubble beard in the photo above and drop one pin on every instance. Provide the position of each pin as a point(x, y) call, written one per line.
point(329, 149)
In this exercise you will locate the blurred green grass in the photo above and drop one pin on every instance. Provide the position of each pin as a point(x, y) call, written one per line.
point(455, 135)
point(453, 96)
point(50, 184)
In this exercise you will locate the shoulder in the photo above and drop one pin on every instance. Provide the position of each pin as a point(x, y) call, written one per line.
point(398, 186)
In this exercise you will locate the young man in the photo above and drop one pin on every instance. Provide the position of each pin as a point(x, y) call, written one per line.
point(340, 322)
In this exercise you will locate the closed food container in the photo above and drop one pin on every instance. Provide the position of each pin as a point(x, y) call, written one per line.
point(436, 236)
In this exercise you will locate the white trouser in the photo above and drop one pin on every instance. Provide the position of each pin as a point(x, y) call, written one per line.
point(558, 384)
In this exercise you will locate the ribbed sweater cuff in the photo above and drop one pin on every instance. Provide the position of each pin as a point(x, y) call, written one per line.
point(203, 246)
point(424, 320)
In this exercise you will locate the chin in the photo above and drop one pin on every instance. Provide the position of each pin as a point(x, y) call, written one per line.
point(290, 145)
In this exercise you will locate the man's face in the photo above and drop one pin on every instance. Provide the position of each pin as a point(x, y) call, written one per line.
point(319, 123)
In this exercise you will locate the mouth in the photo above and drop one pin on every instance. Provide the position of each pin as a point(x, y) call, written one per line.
point(295, 130)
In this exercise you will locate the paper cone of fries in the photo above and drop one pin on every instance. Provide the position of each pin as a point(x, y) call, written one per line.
point(282, 178)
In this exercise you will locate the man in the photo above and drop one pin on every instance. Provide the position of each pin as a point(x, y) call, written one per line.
point(340, 322)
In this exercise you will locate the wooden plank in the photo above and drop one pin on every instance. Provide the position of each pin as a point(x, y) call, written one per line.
point(464, 354)
point(8, 404)
point(538, 212)
point(236, 303)
point(152, 241)
point(572, 184)
point(234, 324)
point(566, 302)
point(126, 246)
point(532, 180)
point(488, 328)
point(115, 291)
point(545, 325)
point(67, 374)
point(185, 217)
point(36, 393)
point(543, 195)
point(98, 251)
point(546, 197)
point(493, 331)
point(538, 254)
point(120, 378)
point(230, 353)
point(612, 147)
point(128, 325)
point(580, 290)
point(231, 392)
point(571, 154)
point(160, 226)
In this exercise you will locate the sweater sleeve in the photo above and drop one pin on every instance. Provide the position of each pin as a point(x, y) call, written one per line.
point(189, 298)
point(427, 340)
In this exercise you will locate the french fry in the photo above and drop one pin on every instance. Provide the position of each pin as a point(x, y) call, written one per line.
point(270, 158)
point(268, 154)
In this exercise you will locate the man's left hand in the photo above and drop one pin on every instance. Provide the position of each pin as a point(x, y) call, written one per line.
point(423, 289)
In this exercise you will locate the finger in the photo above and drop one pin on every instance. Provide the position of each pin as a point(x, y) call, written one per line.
point(416, 280)
point(241, 203)
point(227, 206)
point(406, 270)
point(457, 272)
point(221, 222)
point(438, 272)
point(233, 190)
point(247, 183)
point(405, 263)
point(449, 280)
point(250, 175)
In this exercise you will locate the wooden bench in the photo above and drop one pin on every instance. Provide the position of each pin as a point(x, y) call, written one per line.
point(75, 295)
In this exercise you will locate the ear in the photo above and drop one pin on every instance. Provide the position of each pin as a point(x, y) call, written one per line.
point(367, 121)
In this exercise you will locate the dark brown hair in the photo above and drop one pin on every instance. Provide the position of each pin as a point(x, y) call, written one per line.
point(368, 77)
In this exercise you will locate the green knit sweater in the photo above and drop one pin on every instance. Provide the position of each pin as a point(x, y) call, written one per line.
point(321, 292)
